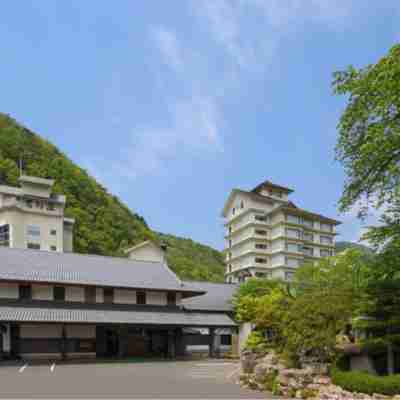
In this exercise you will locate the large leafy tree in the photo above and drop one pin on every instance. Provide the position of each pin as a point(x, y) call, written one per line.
point(369, 141)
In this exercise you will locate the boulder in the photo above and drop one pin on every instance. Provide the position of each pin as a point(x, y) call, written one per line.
point(248, 362)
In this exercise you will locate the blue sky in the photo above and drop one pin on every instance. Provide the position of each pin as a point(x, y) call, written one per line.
point(171, 104)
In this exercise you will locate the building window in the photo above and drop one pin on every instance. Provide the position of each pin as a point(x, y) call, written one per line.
point(326, 239)
point(25, 292)
point(51, 207)
point(325, 253)
point(34, 246)
point(29, 203)
point(293, 233)
point(233, 211)
point(59, 293)
point(171, 298)
point(293, 247)
point(308, 251)
point(308, 223)
point(108, 294)
point(230, 243)
point(141, 298)
point(230, 230)
point(5, 235)
point(289, 276)
point(260, 232)
point(33, 231)
point(292, 262)
point(260, 246)
point(260, 260)
point(230, 268)
point(53, 248)
point(326, 227)
point(261, 218)
point(242, 204)
point(53, 232)
point(292, 219)
point(309, 237)
point(90, 294)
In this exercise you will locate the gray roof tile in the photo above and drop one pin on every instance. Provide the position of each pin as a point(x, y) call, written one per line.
point(72, 268)
point(218, 297)
point(22, 314)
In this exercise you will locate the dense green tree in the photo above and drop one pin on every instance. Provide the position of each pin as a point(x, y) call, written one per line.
point(369, 141)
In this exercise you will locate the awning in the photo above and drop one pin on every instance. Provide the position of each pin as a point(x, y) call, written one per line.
point(61, 315)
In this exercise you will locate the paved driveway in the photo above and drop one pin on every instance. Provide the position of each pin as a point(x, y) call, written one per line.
point(184, 379)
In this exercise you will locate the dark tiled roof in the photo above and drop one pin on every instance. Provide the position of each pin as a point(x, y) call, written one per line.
point(272, 185)
point(22, 314)
point(71, 268)
point(217, 298)
point(292, 207)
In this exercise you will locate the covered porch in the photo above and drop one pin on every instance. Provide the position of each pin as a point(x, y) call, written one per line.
point(50, 333)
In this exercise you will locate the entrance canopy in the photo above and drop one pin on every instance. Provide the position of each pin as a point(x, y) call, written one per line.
point(94, 316)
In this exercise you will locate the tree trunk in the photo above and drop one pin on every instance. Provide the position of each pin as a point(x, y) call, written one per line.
point(390, 359)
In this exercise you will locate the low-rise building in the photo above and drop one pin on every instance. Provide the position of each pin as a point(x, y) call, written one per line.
point(66, 305)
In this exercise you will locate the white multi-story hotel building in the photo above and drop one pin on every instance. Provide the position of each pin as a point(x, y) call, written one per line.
point(267, 235)
point(32, 217)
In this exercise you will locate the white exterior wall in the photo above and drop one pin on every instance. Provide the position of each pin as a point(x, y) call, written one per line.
point(148, 252)
point(74, 293)
point(277, 259)
point(9, 290)
point(156, 298)
point(277, 245)
point(124, 296)
point(42, 292)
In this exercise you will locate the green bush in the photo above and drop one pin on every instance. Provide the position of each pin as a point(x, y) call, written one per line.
point(256, 342)
point(356, 381)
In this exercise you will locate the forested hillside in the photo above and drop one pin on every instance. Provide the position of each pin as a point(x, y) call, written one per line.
point(104, 225)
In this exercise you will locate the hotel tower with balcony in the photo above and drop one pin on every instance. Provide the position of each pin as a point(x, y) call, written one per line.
point(268, 236)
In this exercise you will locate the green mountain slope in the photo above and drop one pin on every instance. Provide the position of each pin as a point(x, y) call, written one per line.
point(341, 246)
point(104, 225)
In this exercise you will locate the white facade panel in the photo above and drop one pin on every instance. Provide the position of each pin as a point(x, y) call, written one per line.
point(99, 295)
point(156, 298)
point(74, 293)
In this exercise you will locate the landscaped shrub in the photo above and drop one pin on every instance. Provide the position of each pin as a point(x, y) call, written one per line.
point(356, 381)
point(256, 342)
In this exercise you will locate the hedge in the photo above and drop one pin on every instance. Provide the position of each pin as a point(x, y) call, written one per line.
point(362, 382)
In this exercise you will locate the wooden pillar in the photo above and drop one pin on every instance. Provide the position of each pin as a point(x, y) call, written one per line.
point(211, 343)
point(171, 344)
point(122, 341)
point(179, 343)
point(63, 342)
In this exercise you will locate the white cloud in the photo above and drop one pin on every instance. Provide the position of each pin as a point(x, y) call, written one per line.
point(249, 33)
point(168, 45)
point(193, 128)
